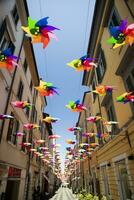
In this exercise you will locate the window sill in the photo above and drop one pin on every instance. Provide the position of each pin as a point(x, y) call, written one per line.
point(13, 145)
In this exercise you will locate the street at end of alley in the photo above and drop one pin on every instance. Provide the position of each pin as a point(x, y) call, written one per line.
point(64, 194)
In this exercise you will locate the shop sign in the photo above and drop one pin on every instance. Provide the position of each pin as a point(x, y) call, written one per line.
point(14, 172)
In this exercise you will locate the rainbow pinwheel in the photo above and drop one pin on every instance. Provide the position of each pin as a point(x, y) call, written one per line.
point(39, 141)
point(46, 88)
point(70, 142)
point(126, 97)
point(103, 90)
point(83, 63)
point(122, 34)
point(50, 119)
point(2, 116)
point(94, 118)
point(53, 137)
point(30, 126)
point(7, 60)
point(22, 104)
point(76, 106)
point(74, 129)
point(40, 31)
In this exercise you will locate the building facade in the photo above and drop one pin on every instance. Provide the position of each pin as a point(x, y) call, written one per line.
point(112, 163)
point(20, 171)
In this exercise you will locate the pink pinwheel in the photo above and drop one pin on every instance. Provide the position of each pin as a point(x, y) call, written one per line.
point(30, 126)
point(53, 137)
point(2, 116)
point(21, 104)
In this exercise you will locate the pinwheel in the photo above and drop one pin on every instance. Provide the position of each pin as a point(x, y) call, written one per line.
point(53, 137)
point(84, 144)
point(76, 106)
point(122, 34)
point(7, 60)
point(102, 135)
point(26, 144)
point(46, 88)
point(39, 141)
point(103, 90)
point(21, 104)
point(110, 122)
point(55, 145)
point(70, 142)
point(40, 31)
point(83, 63)
point(94, 145)
point(88, 134)
point(43, 148)
point(126, 97)
point(50, 119)
point(33, 150)
point(20, 134)
point(94, 118)
point(74, 129)
point(2, 116)
point(30, 126)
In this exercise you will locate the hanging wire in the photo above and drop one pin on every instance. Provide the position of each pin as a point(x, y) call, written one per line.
point(45, 75)
point(84, 44)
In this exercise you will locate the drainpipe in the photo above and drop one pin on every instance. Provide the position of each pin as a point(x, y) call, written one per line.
point(10, 89)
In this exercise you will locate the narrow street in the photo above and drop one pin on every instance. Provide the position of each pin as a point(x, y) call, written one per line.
point(63, 193)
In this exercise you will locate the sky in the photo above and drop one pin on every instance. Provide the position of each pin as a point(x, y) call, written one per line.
point(74, 18)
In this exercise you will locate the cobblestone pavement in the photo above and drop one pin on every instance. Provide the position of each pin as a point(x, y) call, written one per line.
point(64, 194)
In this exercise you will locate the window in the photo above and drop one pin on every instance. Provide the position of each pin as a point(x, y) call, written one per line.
point(12, 130)
point(105, 181)
point(101, 66)
point(123, 180)
point(31, 85)
point(15, 15)
point(93, 88)
point(20, 90)
point(34, 114)
point(111, 115)
point(27, 110)
point(24, 139)
point(129, 81)
point(5, 40)
point(99, 130)
point(114, 19)
point(25, 66)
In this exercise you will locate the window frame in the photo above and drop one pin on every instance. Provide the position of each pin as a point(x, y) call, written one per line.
point(20, 90)
point(25, 66)
point(5, 39)
point(114, 10)
point(15, 15)
point(101, 62)
point(13, 128)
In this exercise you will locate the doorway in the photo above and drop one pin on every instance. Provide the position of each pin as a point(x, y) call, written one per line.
point(12, 190)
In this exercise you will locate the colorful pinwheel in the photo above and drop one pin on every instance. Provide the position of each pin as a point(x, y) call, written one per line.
point(30, 126)
point(53, 137)
point(46, 89)
point(40, 31)
point(103, 90)
point(70, 142)
point(74, 129)
point(126, 97)
point(22, 104)
point(94, 118)
point(50, 119)
point(2, 116)
point(76, 106)
point(7, 60)
point(122, 34)
point(83, 63)
point(110, 122)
